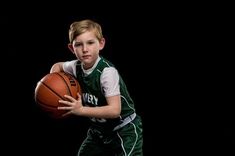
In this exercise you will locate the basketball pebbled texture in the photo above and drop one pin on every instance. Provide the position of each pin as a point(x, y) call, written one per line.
point(52, 88)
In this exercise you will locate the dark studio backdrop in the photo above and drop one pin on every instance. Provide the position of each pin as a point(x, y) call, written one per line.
point(37, 38)
point(153, 50)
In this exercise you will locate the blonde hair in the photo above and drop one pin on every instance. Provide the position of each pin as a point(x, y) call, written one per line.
point(79, 27)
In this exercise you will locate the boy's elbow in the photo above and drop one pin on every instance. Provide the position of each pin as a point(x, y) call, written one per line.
point(116, 113)
point(57, 67)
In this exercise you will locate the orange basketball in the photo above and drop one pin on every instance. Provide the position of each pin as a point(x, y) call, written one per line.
point(51, 88)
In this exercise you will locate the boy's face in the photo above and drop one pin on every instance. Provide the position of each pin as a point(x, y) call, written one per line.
point(86, 47)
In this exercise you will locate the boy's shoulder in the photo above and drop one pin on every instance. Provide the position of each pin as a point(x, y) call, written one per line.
point(106, 61)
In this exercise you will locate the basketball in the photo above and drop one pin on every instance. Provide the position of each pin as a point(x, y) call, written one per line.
point(52, 88)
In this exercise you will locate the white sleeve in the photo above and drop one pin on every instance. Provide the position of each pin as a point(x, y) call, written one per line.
point(70, 67)
point(110, 81)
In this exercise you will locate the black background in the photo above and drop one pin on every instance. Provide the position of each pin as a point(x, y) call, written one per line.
point(161, 52)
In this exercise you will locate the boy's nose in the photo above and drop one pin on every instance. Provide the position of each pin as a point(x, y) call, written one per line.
point(84, 48)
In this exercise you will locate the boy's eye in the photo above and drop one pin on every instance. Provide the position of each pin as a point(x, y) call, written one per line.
point(77, 44)
point(91, 42)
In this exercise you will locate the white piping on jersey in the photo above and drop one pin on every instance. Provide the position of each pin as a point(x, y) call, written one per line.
point(120, 95)
point(127, 102)
point(87, 134)
point(106, 63)
point(133, 144)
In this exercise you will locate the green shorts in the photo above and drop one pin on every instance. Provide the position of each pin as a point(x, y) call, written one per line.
point(127, 141)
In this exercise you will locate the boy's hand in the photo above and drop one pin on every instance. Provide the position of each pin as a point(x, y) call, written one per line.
point(73, 105)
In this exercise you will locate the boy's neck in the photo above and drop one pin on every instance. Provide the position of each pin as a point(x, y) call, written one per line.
point(89, 70)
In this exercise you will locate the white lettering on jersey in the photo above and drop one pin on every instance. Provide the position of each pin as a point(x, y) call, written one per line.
point(89, 98)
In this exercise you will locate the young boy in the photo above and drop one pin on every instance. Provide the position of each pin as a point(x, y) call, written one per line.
point(115, 128)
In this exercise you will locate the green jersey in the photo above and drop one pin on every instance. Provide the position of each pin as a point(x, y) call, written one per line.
point(120, 136)
point(93, 93)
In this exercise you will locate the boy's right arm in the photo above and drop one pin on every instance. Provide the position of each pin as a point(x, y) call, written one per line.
point(57, 67)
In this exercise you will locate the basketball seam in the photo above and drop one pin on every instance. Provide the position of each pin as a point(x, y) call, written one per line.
point(68, 88)
point(52, 90)
point(42, 103)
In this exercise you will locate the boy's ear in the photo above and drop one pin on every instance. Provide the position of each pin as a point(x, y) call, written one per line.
point(70, 46)
point(102, 43)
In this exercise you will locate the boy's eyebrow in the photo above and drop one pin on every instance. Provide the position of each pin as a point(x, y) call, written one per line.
point(86, 41)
